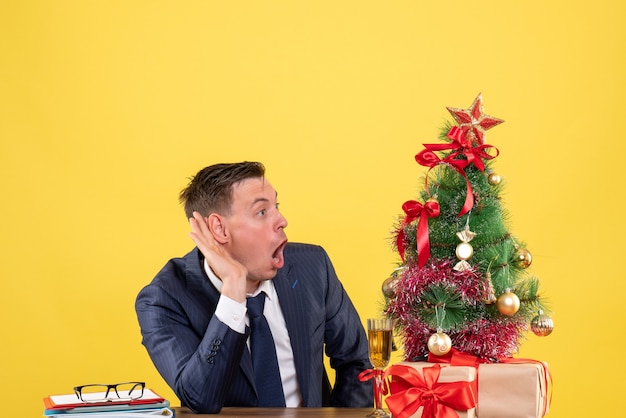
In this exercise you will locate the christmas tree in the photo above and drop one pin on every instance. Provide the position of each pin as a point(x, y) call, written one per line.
point(463, 280)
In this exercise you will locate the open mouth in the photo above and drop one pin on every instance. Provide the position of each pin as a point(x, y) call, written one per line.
point(278, 260)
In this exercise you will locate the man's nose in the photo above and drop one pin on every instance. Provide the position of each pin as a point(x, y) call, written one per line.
point(282, 221)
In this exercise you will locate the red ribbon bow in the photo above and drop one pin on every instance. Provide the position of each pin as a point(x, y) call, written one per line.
point(369, 374)
point(415, 210)
point(380, 384)
point(410, 390)
point(462, 147)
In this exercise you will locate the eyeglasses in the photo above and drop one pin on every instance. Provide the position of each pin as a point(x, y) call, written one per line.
point(110, 393)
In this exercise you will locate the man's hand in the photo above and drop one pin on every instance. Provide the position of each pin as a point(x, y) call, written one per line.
point(230, 271)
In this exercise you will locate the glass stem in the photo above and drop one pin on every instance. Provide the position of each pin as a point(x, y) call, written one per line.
point(378, 391)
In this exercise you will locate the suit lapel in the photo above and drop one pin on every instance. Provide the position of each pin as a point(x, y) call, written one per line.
point(293, 303)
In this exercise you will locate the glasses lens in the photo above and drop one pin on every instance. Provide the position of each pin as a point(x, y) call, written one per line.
point(95, 393)
point(120, 391)
point(130, 390)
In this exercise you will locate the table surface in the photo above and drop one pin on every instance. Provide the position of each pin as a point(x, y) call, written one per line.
point(233, 412)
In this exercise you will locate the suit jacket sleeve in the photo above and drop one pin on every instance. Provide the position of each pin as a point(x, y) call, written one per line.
point(197, 355)
point(346, 346)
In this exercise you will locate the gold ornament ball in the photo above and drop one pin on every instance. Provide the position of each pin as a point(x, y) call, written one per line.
point(508, 303)
point(432, 199)
point(464, 251)
point(494, 179)
point(389, 287)
point(523, 258)
point(439, 343)
point(542, 325)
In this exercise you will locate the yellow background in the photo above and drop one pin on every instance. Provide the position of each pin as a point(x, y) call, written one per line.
point(107, 107)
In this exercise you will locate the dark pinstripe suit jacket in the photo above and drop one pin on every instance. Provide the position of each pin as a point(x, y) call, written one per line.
point(208, 365)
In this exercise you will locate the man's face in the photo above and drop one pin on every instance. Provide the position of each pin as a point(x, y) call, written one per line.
point(256, 228)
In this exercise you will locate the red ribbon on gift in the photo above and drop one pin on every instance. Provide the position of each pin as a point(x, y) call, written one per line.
point(455, 357)
point(462, 147)
point(411, 389)
point(413, 211)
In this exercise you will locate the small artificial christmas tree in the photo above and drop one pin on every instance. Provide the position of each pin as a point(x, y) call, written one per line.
point(463, 281)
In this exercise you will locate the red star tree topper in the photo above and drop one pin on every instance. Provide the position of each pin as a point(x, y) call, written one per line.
point(473, 121)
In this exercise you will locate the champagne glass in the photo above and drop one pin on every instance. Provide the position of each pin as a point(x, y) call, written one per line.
point(380, 341)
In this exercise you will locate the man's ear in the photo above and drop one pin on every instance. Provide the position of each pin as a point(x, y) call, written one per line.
point(216, 225)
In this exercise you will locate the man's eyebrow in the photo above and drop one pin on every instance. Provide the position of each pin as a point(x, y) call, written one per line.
point(259, 199)
point(262, 199)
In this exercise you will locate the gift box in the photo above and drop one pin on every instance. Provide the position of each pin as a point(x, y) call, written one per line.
point(422, 389)
point(512, 387)
point(517, 389)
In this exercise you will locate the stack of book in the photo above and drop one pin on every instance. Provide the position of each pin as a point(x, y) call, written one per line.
point(70, 406)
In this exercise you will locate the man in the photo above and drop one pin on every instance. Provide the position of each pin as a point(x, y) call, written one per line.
point(193, 316)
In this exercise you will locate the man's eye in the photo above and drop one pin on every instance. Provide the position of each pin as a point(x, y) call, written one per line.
point(262, 212)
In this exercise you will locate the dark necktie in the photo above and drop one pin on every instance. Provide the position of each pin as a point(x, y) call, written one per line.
point(264, 360)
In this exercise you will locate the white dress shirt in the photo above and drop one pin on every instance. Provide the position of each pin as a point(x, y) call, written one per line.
point(234, 314)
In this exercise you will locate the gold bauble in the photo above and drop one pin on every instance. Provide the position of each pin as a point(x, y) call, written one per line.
point(439, 343)
point(542, 325)
point(494, 179)
point(508, 303)
point(523, 258)
point(389, 287)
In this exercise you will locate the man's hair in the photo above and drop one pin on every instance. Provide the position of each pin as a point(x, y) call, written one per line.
point(210, 190)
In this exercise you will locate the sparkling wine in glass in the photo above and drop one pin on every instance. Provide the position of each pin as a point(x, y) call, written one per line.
point(380, 341)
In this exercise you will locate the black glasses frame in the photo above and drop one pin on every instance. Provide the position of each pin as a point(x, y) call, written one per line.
point(136, 387)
